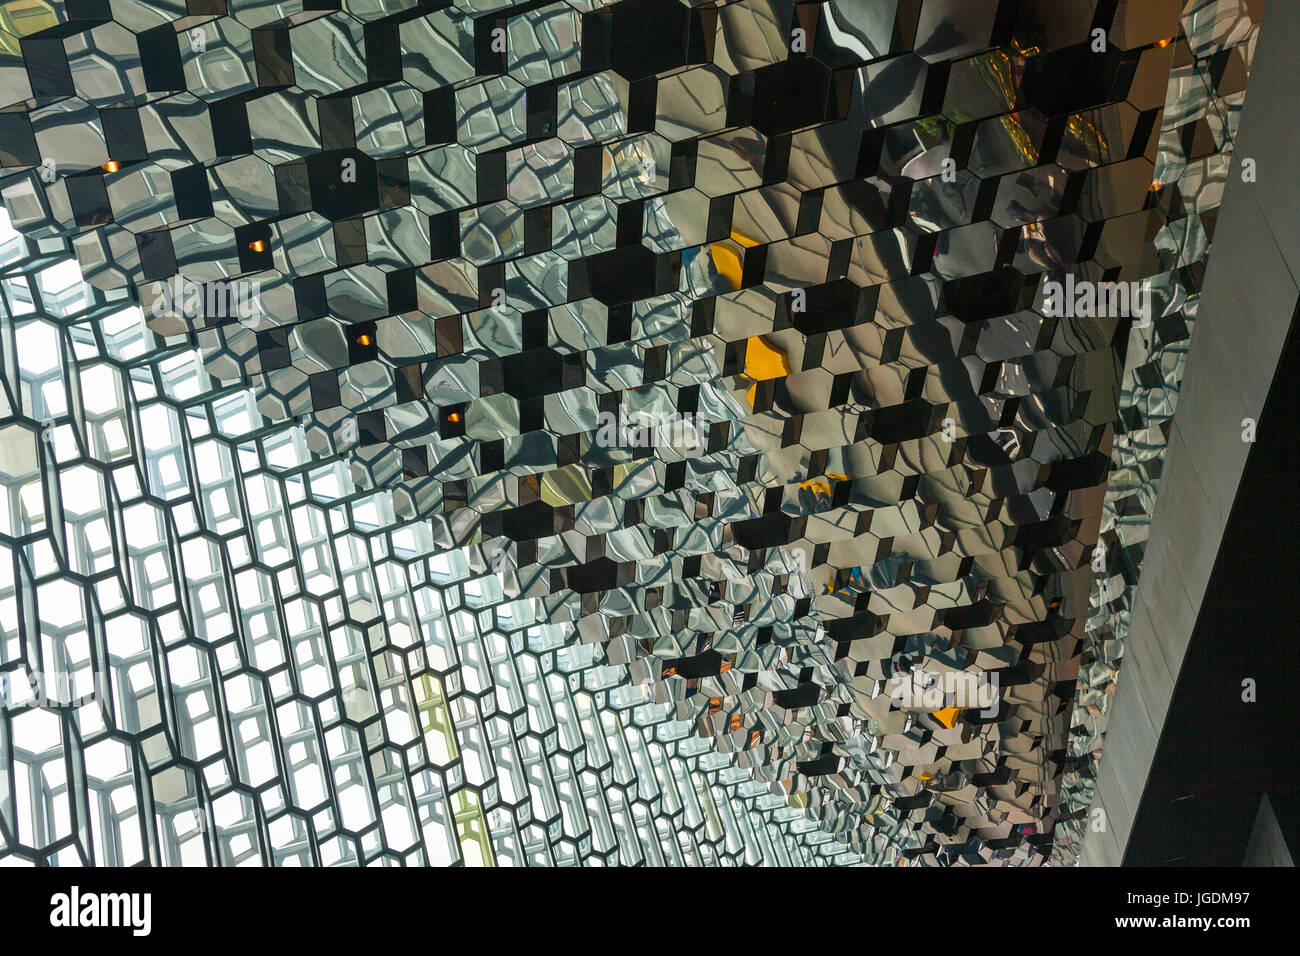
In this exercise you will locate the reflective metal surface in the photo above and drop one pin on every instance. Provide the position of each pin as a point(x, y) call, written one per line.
point(629, 396)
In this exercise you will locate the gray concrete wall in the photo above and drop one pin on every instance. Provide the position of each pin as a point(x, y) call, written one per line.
point(1249, 297)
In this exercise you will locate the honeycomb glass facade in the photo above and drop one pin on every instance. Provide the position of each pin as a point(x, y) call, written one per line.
point(583, 433)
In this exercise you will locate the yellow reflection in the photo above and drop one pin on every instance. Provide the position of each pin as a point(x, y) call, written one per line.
point(726, 257)
point(947, 716)
point(763, 362)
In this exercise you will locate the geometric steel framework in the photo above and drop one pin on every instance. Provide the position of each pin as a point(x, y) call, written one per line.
point(342, 523)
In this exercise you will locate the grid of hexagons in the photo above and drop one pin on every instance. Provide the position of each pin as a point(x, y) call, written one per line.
point(471, 236)
point(248, 661)
point(1207, 86)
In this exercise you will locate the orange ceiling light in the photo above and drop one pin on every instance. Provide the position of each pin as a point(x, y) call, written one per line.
point(453, 417)
point(111, 166)
point(258, 245)
point(363, 339)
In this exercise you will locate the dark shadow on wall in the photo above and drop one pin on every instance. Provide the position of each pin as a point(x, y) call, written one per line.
point(1218, 755)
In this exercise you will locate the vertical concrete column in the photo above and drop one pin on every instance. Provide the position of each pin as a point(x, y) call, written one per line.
point(1247, 304)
